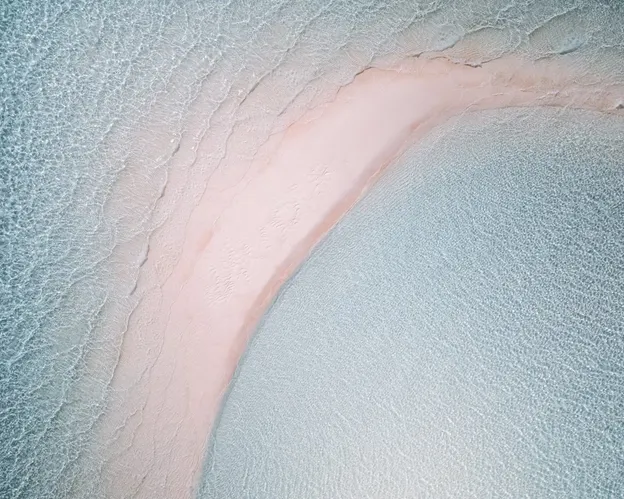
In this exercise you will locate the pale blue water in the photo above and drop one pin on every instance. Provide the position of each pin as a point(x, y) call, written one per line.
point(459, 334)
point(95, 98)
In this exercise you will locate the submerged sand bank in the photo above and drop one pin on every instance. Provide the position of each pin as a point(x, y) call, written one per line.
point(258, 219)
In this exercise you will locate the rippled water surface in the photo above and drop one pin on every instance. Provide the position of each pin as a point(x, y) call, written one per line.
point(459, 334)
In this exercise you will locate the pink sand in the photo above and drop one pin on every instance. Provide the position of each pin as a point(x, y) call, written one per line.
point(256, 222)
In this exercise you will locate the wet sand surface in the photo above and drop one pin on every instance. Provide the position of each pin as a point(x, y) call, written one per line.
point(256, 222)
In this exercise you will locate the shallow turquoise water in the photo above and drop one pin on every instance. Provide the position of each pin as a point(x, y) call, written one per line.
point(458, 334)
point(95, 99)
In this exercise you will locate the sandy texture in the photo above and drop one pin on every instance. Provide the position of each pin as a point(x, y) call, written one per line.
point(257, 220)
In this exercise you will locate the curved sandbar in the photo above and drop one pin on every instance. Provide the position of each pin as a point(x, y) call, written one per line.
point(257, 220)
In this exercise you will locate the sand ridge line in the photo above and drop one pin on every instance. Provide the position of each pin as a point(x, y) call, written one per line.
point(297, 188)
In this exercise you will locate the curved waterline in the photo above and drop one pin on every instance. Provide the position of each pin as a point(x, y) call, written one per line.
point(456, 334)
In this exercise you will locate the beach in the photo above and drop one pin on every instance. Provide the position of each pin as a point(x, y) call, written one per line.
point(169, 172)
point(262, 212)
